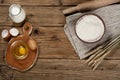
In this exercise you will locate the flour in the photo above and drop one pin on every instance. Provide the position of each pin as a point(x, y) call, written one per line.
point(89, 28)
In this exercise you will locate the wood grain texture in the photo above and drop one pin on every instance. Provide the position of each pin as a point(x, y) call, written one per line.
point(43, 2)
point(2, 53)
point(57, 59)
point(31, 2)
point(73, 2)
point(56, 69)
point(53, 43)
point(43, 16)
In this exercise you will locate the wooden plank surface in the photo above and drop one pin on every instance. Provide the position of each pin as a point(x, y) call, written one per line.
point(31, 2)
point(57, 59)
point(73, 2)
point(55, 69)
point(42, 2)
point(42, 16)
point(53, 43)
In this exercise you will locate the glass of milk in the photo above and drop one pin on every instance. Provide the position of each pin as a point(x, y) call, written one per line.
point(17, 14)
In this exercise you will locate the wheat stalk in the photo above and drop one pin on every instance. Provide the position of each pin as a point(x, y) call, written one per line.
point(98, 54)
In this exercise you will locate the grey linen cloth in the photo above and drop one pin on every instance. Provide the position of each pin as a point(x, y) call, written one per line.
point(111, 17)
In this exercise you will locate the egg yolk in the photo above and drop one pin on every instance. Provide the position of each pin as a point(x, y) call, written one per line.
point(22, 50)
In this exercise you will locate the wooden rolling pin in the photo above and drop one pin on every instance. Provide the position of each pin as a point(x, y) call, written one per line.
point(90, 5)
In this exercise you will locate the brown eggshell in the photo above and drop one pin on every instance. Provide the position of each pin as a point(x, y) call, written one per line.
point(32, 44)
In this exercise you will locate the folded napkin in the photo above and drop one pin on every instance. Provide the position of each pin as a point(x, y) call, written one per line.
point(111, 17)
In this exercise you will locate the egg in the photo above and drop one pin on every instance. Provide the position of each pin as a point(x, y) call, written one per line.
point(22, 50)
point(32, 44)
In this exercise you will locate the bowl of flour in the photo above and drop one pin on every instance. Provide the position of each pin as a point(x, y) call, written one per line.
point(90, 28)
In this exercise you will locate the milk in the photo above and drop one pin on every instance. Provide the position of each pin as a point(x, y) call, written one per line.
point(90, 28)
point(16, 13)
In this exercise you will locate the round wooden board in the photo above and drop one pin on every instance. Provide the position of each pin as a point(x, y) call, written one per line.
point(21, 65)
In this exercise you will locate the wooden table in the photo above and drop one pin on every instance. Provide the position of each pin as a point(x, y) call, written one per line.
point(57, 59)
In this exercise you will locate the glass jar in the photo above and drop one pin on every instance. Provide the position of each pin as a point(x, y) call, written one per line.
point(17, 14)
